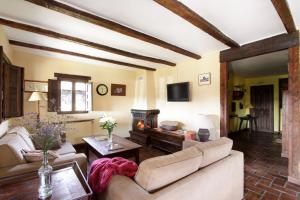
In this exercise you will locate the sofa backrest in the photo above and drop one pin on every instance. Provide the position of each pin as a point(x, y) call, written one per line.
point(21, 131)
point(222, 180)
point(158, 172)
point(4, 127)
point(11, 145)
point(214, 150)
point(10, 150)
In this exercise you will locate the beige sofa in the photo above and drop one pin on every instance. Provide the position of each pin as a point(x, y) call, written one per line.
point(13, 163)
point(201, 171)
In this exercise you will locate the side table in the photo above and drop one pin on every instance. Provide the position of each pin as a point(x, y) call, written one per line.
point(250, 119)
point(67, 180)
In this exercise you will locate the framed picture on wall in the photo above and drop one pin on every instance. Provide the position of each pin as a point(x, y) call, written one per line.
point(204, 79)
point(35, 86)
point(118, 90)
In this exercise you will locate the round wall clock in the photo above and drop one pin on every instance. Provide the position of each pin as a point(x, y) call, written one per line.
point(102, 89)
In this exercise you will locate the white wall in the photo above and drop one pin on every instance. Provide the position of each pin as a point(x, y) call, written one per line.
point(204, 99)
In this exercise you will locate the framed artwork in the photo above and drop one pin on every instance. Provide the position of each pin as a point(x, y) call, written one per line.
point(36, 86)
point(204, 79)
point(118, 90)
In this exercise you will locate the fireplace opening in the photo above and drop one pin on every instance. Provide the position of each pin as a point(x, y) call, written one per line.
point(144, 119)
point(140, 124)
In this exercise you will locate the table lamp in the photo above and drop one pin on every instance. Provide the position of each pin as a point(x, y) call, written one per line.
point(37, 96)
point(205, 124)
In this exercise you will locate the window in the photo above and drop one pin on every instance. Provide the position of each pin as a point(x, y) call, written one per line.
point(72, 94)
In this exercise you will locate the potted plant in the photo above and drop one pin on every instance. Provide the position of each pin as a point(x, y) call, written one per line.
point(108, 123)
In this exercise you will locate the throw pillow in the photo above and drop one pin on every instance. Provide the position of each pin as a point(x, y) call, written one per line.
point(37, 155)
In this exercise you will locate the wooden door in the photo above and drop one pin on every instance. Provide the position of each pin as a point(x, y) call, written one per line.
point(283, 87)
point(285, 128)
point(13, 87)
point(262, 99)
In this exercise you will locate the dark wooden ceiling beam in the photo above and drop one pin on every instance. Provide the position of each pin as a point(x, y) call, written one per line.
point(268, 45)
point(82, 15)
point(44, 48)
point(189, 15)
point(98, 46)
point(285, 14)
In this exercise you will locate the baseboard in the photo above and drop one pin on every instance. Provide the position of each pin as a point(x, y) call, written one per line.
point(294, 180)
point(237, 132)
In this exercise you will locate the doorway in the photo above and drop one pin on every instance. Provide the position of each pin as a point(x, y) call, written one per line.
point(262, 101)
point(283, 88)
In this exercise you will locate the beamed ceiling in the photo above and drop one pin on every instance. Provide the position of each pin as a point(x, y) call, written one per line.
point(142, 33)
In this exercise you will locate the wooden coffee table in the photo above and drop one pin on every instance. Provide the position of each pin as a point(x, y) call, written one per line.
point(100, 149)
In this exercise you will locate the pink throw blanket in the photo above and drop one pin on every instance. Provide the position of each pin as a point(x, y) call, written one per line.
point(103, 169)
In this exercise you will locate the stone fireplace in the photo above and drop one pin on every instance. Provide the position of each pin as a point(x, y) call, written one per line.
point(143, 120)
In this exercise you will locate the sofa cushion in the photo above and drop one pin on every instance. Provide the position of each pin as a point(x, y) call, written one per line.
point(157, 172)
point(10, 150)
point(214, 150)
point(66, 148)
point(24, 135)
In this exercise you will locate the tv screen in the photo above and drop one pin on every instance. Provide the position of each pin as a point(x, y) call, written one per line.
point(178, 91)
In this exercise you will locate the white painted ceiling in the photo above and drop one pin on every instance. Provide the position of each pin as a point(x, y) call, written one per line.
point(242, 20)
point(263, 65)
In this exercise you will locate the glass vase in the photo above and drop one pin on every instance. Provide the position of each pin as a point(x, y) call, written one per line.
point(110, 140)
point(45, 189)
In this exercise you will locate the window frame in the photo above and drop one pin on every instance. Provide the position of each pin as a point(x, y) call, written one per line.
point(74, 79)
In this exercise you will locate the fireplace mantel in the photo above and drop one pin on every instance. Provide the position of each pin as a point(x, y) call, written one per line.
point(142, 121)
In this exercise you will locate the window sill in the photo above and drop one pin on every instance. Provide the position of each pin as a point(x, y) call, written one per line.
point(73, 112)
point(75, 121)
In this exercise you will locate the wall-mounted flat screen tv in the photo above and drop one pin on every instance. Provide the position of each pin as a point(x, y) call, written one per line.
point(178, 91)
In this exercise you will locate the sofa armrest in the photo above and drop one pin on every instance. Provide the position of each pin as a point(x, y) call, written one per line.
point(189, 143)
point(28, 167)
point(130, 190)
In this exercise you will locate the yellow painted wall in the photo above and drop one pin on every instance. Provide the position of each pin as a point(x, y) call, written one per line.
point(248, 82)
point(43, 68)
point(145, 93)
point(4, 43)
point(204, 99)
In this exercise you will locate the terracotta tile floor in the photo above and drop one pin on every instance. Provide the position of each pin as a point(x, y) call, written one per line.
point(265, 170)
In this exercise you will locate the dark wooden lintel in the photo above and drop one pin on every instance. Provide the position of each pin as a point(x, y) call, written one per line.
point(71, 76)
point(268, 45)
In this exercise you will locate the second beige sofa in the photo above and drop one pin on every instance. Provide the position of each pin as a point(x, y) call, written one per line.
point(202, 171)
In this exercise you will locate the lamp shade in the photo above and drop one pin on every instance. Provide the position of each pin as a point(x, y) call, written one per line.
point(205, 122)
point(36, 96)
